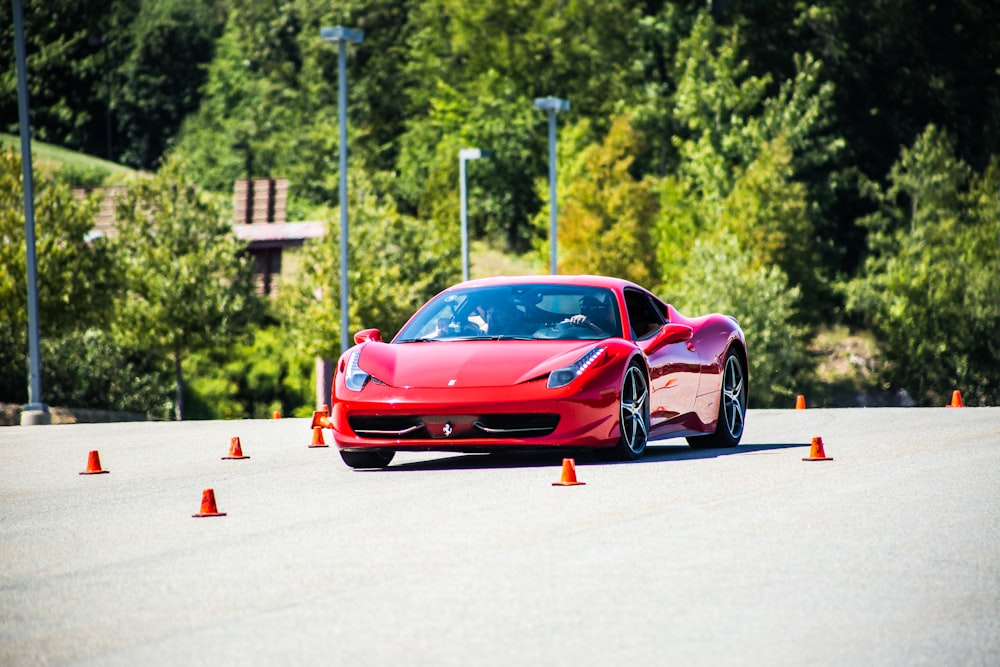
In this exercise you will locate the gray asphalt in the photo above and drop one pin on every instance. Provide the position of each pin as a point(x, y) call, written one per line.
point(887, 555)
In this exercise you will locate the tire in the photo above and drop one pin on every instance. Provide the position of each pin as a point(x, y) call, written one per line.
point(373, 458)
point(732, 407)
point(633, 415)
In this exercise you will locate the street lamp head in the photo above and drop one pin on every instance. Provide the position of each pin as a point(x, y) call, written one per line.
point(473, 153)
point(552, 104)
point(341, 34)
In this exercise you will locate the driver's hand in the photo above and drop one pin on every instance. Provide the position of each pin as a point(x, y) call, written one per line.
point(578, 320)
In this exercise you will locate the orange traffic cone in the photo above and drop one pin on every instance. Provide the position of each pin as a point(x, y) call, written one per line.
point(800, 402)
point(94, 465)
point(956, 399)
point(568, 474)
point(208, 507)
point(816, 452)
point(276, 414)
point(235, 450)
point(318, 438)
point(321, 419)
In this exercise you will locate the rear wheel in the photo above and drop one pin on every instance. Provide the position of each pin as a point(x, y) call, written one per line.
point(633, 415)
point(373, 458)
point(732, 407)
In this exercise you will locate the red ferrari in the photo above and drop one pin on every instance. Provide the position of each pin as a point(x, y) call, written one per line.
point(541, 362)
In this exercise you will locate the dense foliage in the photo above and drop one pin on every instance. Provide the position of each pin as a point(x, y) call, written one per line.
point(186, 283)
point(800, 164)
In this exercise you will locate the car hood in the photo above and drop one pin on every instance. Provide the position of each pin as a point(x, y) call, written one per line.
point(467, 363)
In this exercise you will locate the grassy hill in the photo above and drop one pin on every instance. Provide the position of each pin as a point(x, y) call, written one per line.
point(58, 157)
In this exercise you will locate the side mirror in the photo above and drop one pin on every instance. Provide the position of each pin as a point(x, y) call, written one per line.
point(670, 333)
point(368, 335)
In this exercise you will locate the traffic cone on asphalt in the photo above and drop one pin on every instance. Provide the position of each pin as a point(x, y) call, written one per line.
point(956, 399)
point(93, 465)
point(276, 414)
point(318, 438)
point(800, 402)
point(235, 450)
point(208, 507)
point(816, 452)
point(568, 474)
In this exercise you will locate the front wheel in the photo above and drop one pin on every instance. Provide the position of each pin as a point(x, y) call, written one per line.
point(732, 407)
point(371, 458)
point(633, 415)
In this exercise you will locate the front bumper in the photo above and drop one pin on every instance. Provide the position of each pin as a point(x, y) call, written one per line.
point(475, 419)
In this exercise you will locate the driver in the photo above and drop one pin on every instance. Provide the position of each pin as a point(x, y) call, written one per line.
point(595, 315)
point(500, 318)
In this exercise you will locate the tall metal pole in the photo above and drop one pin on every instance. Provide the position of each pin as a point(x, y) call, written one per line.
point(35, 412)
point(342, 122)
point(553, 213)
point(552, 105)
point(464, 215)
point(464, 156)
point(342, 35)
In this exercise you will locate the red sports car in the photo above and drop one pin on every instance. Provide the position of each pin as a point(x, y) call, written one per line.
point(541, 362)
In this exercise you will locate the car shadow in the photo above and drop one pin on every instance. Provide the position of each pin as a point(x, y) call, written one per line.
point(655, 453)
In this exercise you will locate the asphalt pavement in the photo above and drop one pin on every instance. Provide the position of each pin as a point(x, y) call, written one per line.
point(888, 554)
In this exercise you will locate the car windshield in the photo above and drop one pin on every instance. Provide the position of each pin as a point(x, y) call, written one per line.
point(517, 312)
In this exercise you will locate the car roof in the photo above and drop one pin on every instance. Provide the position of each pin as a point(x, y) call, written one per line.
point(617, 284)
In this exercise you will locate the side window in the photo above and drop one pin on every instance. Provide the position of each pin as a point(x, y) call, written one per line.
point(661, 308)
point(643, 317)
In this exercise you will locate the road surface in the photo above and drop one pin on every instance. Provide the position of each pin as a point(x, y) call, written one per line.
point(887, 555)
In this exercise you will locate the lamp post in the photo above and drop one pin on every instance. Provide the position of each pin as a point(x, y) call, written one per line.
point(464, 156)
point(552, 105)
point(35, 412)
point(342, 36)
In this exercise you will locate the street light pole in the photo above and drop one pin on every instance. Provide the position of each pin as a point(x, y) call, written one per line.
point(464, 156)
point(342, 36)
point(35, 412)
point(552, 105)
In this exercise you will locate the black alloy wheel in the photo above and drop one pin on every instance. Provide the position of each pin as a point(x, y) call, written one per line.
point(732, 407)
point(633, 416)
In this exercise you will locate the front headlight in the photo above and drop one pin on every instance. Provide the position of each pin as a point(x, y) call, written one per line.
point(355, 379)
point(563, 376)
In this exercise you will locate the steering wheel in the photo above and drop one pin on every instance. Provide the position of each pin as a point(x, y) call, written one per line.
point(469, 329)
point(555, 331)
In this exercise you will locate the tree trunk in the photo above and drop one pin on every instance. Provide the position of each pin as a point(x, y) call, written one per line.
point(179, 383)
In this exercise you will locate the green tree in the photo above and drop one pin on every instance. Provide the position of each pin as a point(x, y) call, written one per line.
point(188, 283)
point(76, 274)
point(767, 211)
point(582, 50)
point(606, 214)
point(930, 289)
point(73, 48)
point(724, 278)
point(743, 157)
point(250, 380)
point(104, 375)
point(396, 262)
point(272, 86)
point(159, 81)
point(269, 106)
point(114, 79)
point(497, 118)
